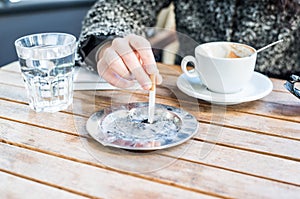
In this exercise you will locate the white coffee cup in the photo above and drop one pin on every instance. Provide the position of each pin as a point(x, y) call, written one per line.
point(223, 67)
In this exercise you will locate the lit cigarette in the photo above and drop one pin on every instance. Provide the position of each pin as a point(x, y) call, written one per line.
point(151, 107)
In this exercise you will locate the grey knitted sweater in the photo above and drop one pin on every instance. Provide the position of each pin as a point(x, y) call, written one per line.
point(254, 22)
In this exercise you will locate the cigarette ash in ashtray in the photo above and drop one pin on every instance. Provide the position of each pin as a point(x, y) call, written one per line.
point(127, 126)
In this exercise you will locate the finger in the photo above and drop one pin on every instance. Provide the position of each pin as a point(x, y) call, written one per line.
point(159, 79)
point(111, 76)
point(114, 61)
point(142, 77)
point(143, 47)
point(123, 49)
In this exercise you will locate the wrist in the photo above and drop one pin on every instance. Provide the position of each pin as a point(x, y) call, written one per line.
point(101, 49)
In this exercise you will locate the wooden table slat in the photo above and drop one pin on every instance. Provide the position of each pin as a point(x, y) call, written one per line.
point(12, 186)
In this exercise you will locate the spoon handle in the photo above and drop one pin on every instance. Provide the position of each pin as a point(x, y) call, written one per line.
point(267, 46)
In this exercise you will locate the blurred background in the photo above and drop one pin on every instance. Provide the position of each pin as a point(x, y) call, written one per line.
point(22, 17)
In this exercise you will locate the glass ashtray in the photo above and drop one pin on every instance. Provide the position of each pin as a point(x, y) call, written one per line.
point(126, 126)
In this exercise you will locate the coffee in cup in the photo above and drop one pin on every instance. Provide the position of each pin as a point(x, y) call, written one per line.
point(223, 67)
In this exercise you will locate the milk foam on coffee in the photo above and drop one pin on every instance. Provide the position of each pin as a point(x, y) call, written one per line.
point(226, 50)
point(239, 50)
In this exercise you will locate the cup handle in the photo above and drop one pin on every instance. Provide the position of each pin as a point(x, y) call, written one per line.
point(184, 62)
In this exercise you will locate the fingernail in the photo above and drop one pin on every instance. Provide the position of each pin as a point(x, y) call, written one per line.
point(159, 79)
point(147, 86)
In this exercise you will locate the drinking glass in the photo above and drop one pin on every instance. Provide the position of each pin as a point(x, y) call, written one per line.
point(47, 66)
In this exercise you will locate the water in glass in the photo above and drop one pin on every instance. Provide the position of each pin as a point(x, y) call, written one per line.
point(49, 82)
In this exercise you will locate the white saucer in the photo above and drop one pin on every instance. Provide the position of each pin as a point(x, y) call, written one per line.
point(258, 87)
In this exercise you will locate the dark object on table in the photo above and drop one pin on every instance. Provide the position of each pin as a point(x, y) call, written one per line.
point(293, 85)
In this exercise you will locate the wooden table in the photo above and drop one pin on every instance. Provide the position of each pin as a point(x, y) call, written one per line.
point(250, 150)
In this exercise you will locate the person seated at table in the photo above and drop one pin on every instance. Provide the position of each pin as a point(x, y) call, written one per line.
point(113, 37)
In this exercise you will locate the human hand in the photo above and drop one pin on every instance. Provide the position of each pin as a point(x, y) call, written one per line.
point(128, 59)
